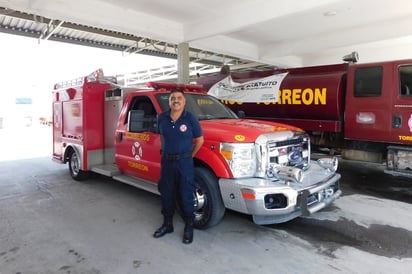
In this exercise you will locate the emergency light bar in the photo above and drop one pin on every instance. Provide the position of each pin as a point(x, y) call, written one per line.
point(170, 86)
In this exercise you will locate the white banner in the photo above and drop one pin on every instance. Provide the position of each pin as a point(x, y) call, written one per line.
point(260, 90)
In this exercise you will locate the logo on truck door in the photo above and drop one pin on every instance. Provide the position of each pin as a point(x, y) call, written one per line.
point(137, 151)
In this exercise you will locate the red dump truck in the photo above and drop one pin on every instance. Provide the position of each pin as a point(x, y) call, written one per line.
point(363, 111)
point(263, 169)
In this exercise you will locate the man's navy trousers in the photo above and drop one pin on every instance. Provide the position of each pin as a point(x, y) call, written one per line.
point(177, 176)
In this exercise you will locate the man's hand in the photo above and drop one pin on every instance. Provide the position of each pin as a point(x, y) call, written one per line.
point(198, 142)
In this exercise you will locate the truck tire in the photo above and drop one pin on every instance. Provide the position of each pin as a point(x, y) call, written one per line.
point(209, 207)
point(74, 167)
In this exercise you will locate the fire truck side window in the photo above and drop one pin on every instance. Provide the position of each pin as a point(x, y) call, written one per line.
point(405, 81)
point(368, 82)
point(144, 103)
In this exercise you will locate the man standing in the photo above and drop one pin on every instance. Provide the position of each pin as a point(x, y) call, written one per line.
point(182, 138)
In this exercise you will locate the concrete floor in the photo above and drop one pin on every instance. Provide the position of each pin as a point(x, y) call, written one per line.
point(50, 223)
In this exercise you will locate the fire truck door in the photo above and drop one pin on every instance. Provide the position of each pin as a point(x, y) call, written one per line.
point(138, 153)
point(402, 104)
point(369, 102)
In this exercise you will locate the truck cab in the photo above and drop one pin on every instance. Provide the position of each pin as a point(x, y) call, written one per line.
point(379, 109)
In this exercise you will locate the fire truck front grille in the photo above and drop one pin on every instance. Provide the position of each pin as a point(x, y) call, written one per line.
point(292, 152)
point(292, 142)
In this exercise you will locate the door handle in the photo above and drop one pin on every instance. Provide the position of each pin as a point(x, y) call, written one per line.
point(397, 121)
point(120, 137)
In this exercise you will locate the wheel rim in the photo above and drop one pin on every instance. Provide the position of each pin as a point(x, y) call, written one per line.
point(200, 201)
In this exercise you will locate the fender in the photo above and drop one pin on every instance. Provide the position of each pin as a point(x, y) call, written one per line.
point(215, 161)
point(79, 150)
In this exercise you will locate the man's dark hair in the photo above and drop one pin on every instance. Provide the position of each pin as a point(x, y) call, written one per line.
point(176, 90)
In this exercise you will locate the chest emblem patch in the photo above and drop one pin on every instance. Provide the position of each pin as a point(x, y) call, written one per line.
point(183, 128)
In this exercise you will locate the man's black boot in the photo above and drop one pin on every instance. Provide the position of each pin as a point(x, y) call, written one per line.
point(188, 231)
point(167, 227)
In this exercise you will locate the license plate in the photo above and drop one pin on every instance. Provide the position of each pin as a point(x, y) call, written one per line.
point(320, 196)
point(325, 193)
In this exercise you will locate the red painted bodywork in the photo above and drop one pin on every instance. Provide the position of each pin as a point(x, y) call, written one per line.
point(71, 125)
point(339, 114)
point(79, 121)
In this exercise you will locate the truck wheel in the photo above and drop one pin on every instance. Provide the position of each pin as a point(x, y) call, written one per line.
point(209, 207)
point(74, 167)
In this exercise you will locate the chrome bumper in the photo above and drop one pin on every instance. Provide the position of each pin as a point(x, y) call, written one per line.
point(252, 196)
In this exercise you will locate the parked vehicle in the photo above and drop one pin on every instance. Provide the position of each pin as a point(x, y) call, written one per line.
point(362, 111)
point(259, 168)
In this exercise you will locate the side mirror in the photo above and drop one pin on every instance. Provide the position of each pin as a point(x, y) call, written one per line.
point(241, 114)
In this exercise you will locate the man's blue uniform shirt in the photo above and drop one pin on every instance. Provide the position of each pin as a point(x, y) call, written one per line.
point(178, 136)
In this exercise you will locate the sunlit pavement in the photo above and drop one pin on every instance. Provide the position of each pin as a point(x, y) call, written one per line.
point(50, 223)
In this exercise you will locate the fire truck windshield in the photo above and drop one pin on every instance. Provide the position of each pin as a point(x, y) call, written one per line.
point(205, 107)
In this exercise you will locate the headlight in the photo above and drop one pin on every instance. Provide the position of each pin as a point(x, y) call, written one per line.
point(241, 158)
point(329, 163)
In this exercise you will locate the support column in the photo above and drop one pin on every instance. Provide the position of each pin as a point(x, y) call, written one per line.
point(183, 61)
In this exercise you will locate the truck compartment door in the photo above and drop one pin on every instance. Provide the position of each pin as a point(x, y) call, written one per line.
point(368, 102)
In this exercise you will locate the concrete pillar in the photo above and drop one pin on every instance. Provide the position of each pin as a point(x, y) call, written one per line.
point(183, 61)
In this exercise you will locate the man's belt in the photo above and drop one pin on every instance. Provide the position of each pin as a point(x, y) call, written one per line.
point(175, 157)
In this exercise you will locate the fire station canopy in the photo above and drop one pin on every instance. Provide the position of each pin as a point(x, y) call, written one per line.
point(240, 33)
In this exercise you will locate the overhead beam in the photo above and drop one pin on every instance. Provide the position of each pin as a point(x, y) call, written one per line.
point(127, 43)
point(50, 29)
point(34, 26)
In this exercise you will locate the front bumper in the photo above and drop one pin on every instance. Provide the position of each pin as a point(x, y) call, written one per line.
point(275, 201)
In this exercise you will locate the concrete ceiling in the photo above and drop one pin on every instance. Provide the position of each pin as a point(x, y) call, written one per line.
point(280, 33)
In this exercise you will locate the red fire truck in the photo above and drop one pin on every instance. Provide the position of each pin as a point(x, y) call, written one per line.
point(363, 111)
point(263, 169)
